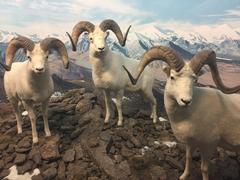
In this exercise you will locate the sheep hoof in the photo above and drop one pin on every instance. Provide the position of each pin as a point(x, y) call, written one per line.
point(119, 124)
point(106, 121)
point(19, 131)
point(183, 177)
point(48, 134)
point(35, 140)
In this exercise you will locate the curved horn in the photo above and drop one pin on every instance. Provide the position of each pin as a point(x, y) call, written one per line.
point(110, 24)
point(56, 44)
point(209, 57)
point(78, 29)
point(14, 45)
point(163, 53)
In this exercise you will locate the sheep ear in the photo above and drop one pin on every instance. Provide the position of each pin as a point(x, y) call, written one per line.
point(201, 72)
point(50, 51)
point(107, 34)
point(167, 70)
point(24, 50)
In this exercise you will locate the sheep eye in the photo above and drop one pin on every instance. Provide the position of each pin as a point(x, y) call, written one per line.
point(91, 39)
point(29, 58)
point(172, 78)
point(46, 57)
point(195, 79)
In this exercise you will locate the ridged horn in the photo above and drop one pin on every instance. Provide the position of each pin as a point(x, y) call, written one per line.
point(110, 24)
point(57, 45)
point(163, 53)
point(78, 29)
point(13, 46)
point(208, 57)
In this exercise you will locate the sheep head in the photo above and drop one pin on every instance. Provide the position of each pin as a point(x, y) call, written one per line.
point(181, 76)
point(97, 34)
point(37, 54)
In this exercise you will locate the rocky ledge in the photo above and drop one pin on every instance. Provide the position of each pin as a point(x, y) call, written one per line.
point(82, 147)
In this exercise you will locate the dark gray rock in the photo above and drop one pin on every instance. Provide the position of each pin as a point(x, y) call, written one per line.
point(37, 177)
point(35, 155)
point(4, 173)
point(61, 171)
point(1, 164)
point(20, 159)
point(93, 142)
point(22, 150)
point(27, 166)
point(25, 143)
point(89, 96)
point(76, 133)
point(129, 144)
point(93, 178)
point(126, 152)
point(9, 158)
point(174, 163)
point(124, 169)
point(49, 151)
point(3, 146)
point(69, 156)
point(84, 106)
point(136, 142)
point(157, 172)
point(79, 152)
point(50, 173)
point(77, 171)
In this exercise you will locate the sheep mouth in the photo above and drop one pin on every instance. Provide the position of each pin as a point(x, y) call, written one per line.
point(98, 53)
point(184, 105)
point(39, 72)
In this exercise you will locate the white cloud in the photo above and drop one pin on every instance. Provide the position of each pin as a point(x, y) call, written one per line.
point(233, 12)
point(115, 6)
point(43, 16)
point(58, 16)
point(230, 17)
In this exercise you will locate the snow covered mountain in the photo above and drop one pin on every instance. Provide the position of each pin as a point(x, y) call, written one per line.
point(223, 39)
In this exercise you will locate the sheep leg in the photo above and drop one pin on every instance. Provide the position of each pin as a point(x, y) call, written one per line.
point(205, 159)
point(29, 107)
point(17, 113)
point(154, 109)
point(107, 105)
point(149, 95)
point(45, 117)
point(119, 107)
point(189, 152)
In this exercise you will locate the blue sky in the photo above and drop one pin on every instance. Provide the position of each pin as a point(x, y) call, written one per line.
point(45, 17)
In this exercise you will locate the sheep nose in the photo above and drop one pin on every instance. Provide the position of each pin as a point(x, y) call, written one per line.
point(186, 102)
point(101, 49)
point(39, 69)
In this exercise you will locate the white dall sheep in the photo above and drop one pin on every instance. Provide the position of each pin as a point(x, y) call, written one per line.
point(107, 71)
point(30, 81)
point(200, 117)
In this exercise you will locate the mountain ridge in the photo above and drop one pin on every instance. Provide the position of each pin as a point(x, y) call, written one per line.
point(223, 39)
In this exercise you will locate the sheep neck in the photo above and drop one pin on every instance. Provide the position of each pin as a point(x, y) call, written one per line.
point(35, 79)
point(170, 105)
point(175, 112)
point(100, 61)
